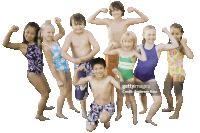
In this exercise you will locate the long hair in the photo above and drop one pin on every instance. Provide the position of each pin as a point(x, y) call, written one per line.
point(144, 30)
point(37, 29)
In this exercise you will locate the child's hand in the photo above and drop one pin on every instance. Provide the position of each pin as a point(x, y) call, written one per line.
point(59, 83)
point(48, 21)
point(139, 47)
point(104, 10)
point(81, 68)
point(130, 9)
point(115, 71)
point(57, 20)
point(14, 28)
point(183, 41)
point(164, 30)
point(77, 61)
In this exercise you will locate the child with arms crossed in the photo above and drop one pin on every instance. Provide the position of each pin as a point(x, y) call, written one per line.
point(102, 108)
point(80, 42)
point(33, 52)
point(59, 66)
point(116, 28)
point(127, 59)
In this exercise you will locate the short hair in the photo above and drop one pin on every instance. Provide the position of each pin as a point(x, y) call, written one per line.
point(77, 18)
point(129, 35)
point(116, 5)
point(98, 61)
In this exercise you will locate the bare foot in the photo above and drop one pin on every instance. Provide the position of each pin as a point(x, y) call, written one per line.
point(61, 116)
point(84, 116)
point(150, 121)
point(107, 125)
point(118, 117)
point(73, 108)
point(143, 111)
point(167, 110)
point(174, 116)
point(42, 118)
point(49, 108)
point(135, 122)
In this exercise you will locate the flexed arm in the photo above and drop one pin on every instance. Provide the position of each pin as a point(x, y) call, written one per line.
point(141, 56)
point(108, 50)
point(92, 19)
point(187, 51)
point(61, 29)
point(76, 81)
point(132, 21)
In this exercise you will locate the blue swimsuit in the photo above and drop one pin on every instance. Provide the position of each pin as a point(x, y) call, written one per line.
point(145, 70)
point(58, 61)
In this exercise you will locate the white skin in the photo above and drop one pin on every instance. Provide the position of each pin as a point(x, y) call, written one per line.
point(150, 36)
point(39, 82)
point(101, 89)
point(63, 79)
point(176, 33)
point(116, 27)
point(129, 49)
point(80, 40)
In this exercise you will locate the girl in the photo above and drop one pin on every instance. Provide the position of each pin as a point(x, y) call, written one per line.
point(59, 66)
point(176, 74)
point(29, 48)
point(144, 72)
point(127, 58)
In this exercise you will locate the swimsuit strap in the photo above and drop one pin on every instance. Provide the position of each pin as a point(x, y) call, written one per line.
point(126, 63)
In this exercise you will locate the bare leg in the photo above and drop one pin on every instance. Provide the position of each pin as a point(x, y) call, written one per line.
point(133, 108)
point(170, 104)
point(179, 101)
point(40, 86)
point(143, 100)
point(127, 102)
point(119, 104)
point(105, 118)
point(83, 107)
point(90, 128)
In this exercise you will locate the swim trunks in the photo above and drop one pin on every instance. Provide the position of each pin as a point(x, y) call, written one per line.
point(58, 61)
point(96, 110)
point(81, 91)
point(145, 69)
point(35, 59)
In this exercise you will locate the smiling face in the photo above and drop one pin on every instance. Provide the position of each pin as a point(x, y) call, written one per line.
point(99, 70)
point(78, 27)
point(128, 44)
point(48, 33)
point(30, 34)
point(116, 13)
point(176, 33)
point(150, 36)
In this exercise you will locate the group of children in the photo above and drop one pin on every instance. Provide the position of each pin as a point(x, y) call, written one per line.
point(120, 57)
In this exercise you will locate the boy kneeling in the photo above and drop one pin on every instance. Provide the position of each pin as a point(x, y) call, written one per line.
point(102, 107)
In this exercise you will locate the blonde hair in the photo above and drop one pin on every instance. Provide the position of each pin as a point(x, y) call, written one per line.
point(47, 23)
point(129, 35)
point(144, 30)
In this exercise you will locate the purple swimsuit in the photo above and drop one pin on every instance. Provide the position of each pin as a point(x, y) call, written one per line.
point(35, 59)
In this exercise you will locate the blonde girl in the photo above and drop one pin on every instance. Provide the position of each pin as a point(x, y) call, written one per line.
point(127, 58)
point(58, 66)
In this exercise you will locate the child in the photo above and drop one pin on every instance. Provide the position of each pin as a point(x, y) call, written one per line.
point(127, 58)
point(176, 74)
point(80, 41)
point(116, 28)
point(30, 49)
point(144, 72)
point(102, 107)
point(59, 66)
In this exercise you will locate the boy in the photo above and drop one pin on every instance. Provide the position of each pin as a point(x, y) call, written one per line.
point(102, 107)
point(80, 41)
point(116, 28)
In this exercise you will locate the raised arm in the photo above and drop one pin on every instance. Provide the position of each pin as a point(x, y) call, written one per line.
point(141, 56)
point(61, 29)
point(76, 81)
point(47, 53)
point(167, 47)
point(117, 72)
point(187, 51)
point(7, 44)
point(96, 48)
point(132, 21)
point(93, 20)
point(108, 50)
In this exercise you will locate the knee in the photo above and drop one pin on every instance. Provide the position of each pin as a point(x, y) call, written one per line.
point(104, 118)
point(90, 128)
point(45, 95)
